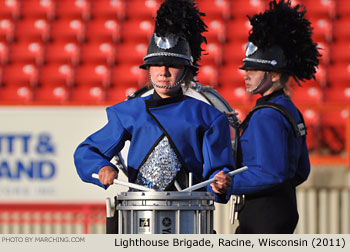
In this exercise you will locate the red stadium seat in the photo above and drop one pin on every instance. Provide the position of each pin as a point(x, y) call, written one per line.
point(320, 8)
point(208, 75)
point(20, 74)
point(7, 30)
point(142, 8)
point(119, 93)
point(216, 30)
point(321, 75)
point(63, 52)
point(2, 75)
point(212, 54)
point(312, 120)
point(4, 53)
point(98, 52)
point(322, 29)
point(16, 94)
point(235, 95)
point(93, 74)
point(108, 9)
point(335, 117)
point(52, 94)
point(216, 8)
point(307, 95)
point(38, 9)
point(242, 8)
point(131, 53)
point(78, 9)
point(343, 8)
point(311, 116)
point(230, 74)
point(333, 133)
point(341, 28)
point(67, 29)
point(27, 52)
point(10, 9)
point(238, 29)
point(89, 94)
point(56, 74)
point(340, 51)
point(325, 51)
point(128, 75)
point(338, 94)
point(234, 52)
point(137, 30)
point(339, 73)
point(295, 2)
point(31, 29)
point(103, 29)
point(321, 78)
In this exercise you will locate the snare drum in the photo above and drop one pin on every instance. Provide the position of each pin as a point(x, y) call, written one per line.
point(169, 212)
point(165, 212)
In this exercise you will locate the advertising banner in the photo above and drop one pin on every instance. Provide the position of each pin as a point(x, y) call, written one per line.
point(36, 153)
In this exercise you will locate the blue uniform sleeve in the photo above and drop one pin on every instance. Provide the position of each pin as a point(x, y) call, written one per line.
point(217, 153)
point(264, 148)
point(99, 148)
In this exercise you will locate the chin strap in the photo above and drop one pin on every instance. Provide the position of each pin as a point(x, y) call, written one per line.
point(170, 86)
point(262, 81)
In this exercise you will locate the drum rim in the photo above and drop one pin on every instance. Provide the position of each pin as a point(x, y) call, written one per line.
point(165, 195)
point(165, 208)
point(217, 95)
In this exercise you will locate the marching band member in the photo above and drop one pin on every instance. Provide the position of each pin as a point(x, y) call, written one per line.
point(170, 134)
point(272, 141)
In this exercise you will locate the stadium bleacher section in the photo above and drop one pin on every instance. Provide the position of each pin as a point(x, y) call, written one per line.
point(87, 52)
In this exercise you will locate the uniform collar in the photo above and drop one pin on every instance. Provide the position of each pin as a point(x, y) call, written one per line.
point(270, 96)
point(157, 101)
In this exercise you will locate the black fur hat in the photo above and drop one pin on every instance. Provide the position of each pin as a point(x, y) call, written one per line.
point(281, 40)
point(178, 36)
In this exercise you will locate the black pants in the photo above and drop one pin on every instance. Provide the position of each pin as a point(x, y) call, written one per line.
point(112, 224)
point(270, 212)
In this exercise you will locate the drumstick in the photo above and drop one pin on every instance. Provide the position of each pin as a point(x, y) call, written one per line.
point(128, 184)
point(190, 179)
point(108, 207)
point(209, 181)
point(177, 186)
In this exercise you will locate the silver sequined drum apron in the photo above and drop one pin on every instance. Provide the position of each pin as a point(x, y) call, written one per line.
point(165, 212)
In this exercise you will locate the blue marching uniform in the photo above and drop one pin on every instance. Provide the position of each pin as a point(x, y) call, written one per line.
point(277, 161)
point(168, 139)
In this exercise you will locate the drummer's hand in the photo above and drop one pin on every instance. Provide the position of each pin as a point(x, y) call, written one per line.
point(107, 174)
point(222, 182)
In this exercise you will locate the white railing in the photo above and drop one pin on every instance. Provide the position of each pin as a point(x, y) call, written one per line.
point(321, 210)
point(324, 210)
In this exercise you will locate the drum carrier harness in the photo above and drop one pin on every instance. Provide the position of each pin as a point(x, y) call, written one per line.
point(299, 130)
